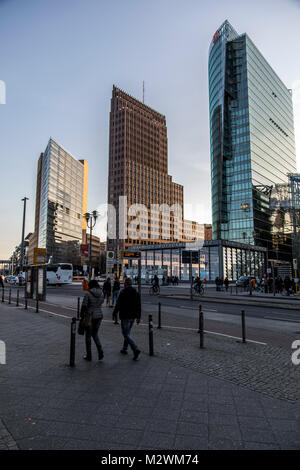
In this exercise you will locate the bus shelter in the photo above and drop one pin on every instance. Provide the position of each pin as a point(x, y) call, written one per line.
point(36, 282)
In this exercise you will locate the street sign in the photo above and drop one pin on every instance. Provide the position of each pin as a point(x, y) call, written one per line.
point(39, 255)
point(295, 263)
point(84, 250)
point(110, 255)
point(131, 254)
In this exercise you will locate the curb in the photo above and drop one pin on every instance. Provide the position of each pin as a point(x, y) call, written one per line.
point(234, 301)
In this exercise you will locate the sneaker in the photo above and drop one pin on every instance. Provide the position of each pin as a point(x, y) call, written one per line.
point(123, 351)
point(136, 354)
point(87, 358)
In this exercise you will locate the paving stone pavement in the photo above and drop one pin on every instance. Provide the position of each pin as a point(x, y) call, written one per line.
point(163, 402)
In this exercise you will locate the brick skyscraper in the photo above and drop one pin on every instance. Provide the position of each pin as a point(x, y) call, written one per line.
point(138, 169)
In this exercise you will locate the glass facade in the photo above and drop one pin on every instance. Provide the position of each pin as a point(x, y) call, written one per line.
point(216, 258)
point(61, 205)
point(252, 142)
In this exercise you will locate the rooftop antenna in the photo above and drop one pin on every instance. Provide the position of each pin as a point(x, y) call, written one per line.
point(143, 91)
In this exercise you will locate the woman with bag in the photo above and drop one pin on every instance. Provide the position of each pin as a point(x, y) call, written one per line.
point(91, 317)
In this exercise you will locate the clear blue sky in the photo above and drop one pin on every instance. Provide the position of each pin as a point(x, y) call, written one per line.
point(60, 58)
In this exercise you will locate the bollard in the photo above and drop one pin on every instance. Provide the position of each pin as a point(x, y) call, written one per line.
point(151, 353)
point(243, 327)
point(25, 303)
point(72, 342)
point(78, 308)
point(3, 294)
point(159, 315)
point(17, 303)
point(9, 296)
point(37, 305)
point(201, 328)
point(200, 310)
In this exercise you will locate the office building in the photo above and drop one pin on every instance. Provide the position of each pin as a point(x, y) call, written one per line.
point(138, 170)
point(251, 140)
point(61, 201)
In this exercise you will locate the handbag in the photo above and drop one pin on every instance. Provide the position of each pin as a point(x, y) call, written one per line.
point(81, 328)
point(85, 320)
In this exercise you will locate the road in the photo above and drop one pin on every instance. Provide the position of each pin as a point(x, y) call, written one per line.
point(271, 325)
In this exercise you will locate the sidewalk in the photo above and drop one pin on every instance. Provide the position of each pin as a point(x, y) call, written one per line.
point(174, 400)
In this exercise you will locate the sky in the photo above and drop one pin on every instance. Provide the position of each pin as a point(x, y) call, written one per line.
point(60, 58)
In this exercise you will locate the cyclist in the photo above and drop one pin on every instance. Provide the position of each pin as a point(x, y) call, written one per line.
point(155, 284)
point(197, 284)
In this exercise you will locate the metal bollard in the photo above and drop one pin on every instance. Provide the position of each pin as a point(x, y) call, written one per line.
point(17, 303)
point(3, 294)
point(159, 315)
point(200, 309)
point(72, 342)
point(201, 328)
point(78, 308)
point(243, 327)
point(37, 305)
point(9, 296)
point(151, 353)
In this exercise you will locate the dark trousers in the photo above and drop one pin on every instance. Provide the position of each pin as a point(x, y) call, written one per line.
point(126, 326)
point(93, 333)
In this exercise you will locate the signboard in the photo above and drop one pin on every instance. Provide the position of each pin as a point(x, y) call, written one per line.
point(186, 257)
point(110, 255)
point(295, 263)
point(39, 255)
point(40, 281)
point(130, 254)
point(84, 250)
point(215, 36)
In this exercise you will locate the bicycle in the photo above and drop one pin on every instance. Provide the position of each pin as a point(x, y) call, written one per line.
point(154, 290)
point(198, 290)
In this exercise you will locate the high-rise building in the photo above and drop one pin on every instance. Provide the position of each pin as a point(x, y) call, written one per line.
point(251, 140)
point(61, 201)
point(138, 170)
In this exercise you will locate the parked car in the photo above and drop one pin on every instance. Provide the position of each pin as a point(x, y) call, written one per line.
point(243, 281)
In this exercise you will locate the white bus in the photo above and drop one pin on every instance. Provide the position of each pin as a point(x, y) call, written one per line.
point(60, 273)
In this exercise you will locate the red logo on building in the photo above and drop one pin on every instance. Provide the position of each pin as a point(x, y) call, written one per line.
point(215, 36)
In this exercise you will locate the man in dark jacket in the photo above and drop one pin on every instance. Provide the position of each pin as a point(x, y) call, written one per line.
point(129, 308)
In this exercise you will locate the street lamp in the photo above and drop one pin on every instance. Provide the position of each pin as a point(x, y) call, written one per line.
point(91, 219)
point(23, 234)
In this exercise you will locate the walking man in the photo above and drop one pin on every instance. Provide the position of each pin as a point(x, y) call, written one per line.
point(129, 308)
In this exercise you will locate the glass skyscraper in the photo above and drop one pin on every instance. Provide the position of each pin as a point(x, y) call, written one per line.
point(61, 203)
point(252, 143)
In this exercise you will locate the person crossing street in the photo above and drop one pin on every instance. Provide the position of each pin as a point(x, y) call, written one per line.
point(128, 307)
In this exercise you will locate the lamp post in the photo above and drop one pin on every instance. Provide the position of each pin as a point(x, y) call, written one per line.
point(23, 233)
point(91, 219)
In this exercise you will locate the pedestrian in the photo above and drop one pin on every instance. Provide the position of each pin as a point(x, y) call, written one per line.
point(226, 283)
point(115, 290)
point(107, 291)
point(287, 284)
point(115, 294)
point(217, 281)
point(129, 308)
point(91, 314)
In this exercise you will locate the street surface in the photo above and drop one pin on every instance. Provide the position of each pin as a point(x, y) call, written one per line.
point(229, 395)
